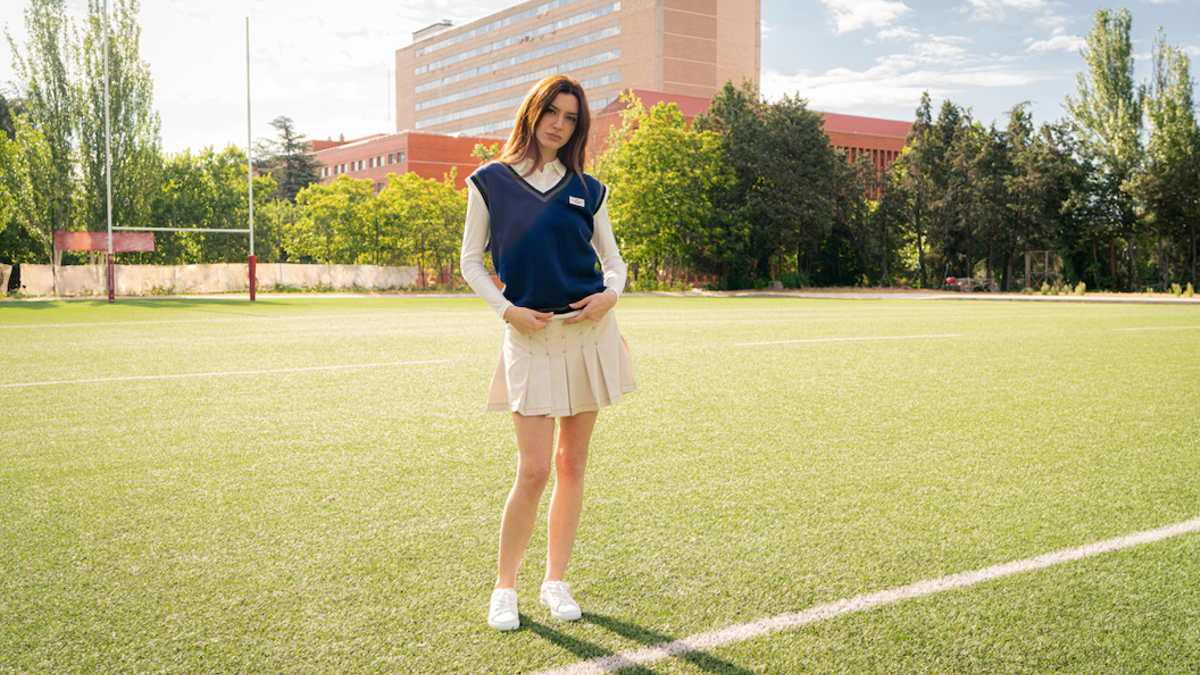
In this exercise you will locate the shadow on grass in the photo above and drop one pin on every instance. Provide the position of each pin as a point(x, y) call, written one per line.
point(588, 650)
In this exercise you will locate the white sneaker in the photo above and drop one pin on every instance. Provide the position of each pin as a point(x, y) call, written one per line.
point(503, 612)
point(557, 596)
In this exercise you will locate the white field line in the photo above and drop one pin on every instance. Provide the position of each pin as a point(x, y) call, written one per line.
point(1160, 328)
point(237, 319)
point(848, 339)
point(859, 603)
point(131, 378)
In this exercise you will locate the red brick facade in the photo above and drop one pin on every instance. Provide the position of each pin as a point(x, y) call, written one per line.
point(374, 157)
point(433, 155)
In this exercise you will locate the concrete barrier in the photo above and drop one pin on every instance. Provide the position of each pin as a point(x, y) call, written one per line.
point(88, 280)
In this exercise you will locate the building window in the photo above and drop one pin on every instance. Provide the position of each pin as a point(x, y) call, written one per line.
point(555, 4)
point(517, 39)
point(399, 157)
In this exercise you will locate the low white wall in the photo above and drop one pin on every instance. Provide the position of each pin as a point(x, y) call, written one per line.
point(5, 273)
point(88, 280)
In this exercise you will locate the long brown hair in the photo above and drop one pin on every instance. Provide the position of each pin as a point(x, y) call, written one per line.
point(522, 143)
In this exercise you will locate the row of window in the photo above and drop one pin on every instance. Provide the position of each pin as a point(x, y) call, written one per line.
point(595, 104)
point(507, 103)
point(495, 25)
point(517, 39)
point(879, 158)
point(361, 164)
point(534, 76)
point(489, 67)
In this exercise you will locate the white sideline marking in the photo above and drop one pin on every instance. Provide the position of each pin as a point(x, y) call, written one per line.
point(859, 603)
point(1161, 328)
point(219, 374)
point(847, 339)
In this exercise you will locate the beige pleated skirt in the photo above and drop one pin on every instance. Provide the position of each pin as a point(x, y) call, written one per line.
point(563, 369)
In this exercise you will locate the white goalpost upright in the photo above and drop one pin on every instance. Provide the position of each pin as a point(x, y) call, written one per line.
point(249, 230)
point(111, 276)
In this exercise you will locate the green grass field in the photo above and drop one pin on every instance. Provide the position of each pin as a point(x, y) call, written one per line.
point(310, 485)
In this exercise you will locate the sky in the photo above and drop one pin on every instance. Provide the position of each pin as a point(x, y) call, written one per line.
point(328, 66)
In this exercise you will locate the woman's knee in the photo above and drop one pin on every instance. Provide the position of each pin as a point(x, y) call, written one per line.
point(532, 477)
point(570, 463)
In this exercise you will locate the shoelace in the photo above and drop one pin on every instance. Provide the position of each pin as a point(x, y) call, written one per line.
point(559, 592)
point(504, 602)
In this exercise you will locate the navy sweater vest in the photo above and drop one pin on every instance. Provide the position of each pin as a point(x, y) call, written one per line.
point(541, 242)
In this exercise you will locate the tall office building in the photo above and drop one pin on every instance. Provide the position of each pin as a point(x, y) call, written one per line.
point(469, 79)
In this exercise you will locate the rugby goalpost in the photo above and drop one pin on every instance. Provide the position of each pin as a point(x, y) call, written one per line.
point(252, 261)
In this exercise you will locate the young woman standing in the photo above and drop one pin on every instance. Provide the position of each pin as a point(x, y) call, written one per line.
point(546, 224)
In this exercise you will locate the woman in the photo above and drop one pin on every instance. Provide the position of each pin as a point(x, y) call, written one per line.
point(546, 223)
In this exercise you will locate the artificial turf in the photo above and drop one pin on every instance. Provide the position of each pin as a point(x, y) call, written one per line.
point(335, 507)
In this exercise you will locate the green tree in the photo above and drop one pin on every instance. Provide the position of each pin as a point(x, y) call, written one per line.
point(485, 153)
point(43, 80)
point(856, 241)
point(1106, 115)
point(287, 158)
point(422, 218)
point(1038, 188)
point(1170, 184)
point(784, 173)
point(916, 176)
point(28, 161)
point(274, 225)
point(134, 125)
point(333, 229)
point(206, 190)
point(10, 107)
point(660, 176)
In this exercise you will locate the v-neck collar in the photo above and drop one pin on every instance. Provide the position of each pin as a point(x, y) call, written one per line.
point(543, 196)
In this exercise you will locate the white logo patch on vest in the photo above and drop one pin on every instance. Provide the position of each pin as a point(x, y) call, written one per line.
point(577, 201)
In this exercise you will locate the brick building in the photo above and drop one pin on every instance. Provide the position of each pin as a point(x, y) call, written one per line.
point(883, 139)
point(457, 86)
point(469, 79)
point(375, 156)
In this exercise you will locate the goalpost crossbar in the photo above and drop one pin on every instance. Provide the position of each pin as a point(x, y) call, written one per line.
point(182, 229)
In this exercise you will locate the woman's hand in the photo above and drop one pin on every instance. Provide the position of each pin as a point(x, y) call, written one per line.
point(594, 306)
point(526, 320)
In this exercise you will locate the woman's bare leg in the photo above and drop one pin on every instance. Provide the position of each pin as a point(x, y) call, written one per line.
point(566, 504)
point(535, 444)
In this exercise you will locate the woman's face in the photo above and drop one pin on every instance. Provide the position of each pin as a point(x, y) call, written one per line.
point(557, 125)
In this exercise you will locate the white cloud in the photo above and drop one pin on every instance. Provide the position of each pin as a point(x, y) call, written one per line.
point(897, 81)
point(765, 29)
point(897, 33)
point(941, 50)
point(851, 15)
point(994, 10)
point(1059, 40)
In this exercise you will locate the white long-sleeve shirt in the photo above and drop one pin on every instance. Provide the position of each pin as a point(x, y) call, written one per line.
point(477, 228)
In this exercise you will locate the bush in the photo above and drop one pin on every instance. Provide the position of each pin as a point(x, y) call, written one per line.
point(1177, 290)
point(794, 280)
point(1189, 291)
point(1080, 288)
point(1045, 288)
point(647, 283)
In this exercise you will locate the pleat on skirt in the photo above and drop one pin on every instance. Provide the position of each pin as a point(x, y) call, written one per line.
point(563, 369)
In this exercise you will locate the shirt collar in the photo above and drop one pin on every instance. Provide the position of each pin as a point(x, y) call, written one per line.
point(555, 166)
